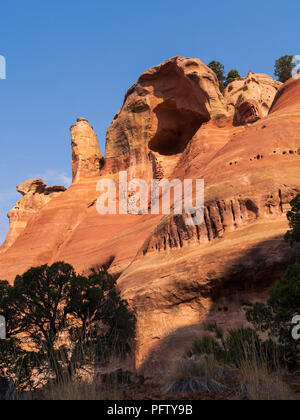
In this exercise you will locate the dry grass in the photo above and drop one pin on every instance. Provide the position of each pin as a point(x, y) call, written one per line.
point(197, 374)
point(79, 391)
point(259, 384)
point(260, 376)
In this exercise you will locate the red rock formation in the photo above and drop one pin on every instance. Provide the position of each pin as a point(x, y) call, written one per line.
point(86, 158)
point(160, 115)
point(188, 275)
point(174, 123)
point(35, 196)
point(251, 97)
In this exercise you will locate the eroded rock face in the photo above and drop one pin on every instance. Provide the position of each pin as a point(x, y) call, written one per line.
point(251, 98)
point(161, 114)
point(86, 157)
point(33, 186)
point(186, 275)
point(174, 124)
point(35, 195)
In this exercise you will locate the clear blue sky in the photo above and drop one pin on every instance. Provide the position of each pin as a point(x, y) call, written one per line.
point(69, 58)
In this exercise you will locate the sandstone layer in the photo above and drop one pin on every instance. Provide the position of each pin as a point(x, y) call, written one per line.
point(175, 123)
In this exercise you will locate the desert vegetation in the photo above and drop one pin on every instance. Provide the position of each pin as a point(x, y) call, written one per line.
point(283, 69)
point(61, 325)
point(224, 80)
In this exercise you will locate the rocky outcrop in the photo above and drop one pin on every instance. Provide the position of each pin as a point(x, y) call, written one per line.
point(220, 217)
point(191, 274)
point(35, 196)
point(32, 186)
point(86, 157)
point(251, 98)
point(174, 123)
point(161, 114)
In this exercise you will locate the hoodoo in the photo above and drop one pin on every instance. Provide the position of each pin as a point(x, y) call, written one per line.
point(86, 157)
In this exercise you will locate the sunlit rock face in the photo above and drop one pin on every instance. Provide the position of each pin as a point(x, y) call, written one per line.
point(86, 155)
point(175, 123)
point(161, 114)
point(35, 195)
point(251, 98)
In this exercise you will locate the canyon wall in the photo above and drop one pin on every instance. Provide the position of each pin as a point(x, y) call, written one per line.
point(175, 123)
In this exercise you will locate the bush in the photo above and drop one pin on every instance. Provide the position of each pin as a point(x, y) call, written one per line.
point(293, 235)
point(59, 322)
point(231, 76)
point(241, 345)
point(218, 69)
point(207, 345)
point(284, 67)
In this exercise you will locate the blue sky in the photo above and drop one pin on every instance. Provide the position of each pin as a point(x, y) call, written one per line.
point(69, 58)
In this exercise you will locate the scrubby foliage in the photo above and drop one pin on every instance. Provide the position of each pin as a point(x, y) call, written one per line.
point(241, 345)
point(293, 235)
point(276, 316)
point(231, 76)
point(59, 322)
point(219, 69)
point(284, 67)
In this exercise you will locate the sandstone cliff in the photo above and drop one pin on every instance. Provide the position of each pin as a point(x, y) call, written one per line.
point(175, 123)
point(160, 115)
point(35, 196)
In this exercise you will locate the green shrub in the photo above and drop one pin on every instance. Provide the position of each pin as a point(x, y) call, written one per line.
point(241, 345)
point(207, 345)
point(283, 68)
point(231, 76)
point(218, 69)
point(65, 321)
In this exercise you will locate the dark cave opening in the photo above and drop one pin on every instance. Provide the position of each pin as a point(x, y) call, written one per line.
point(176, 127)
